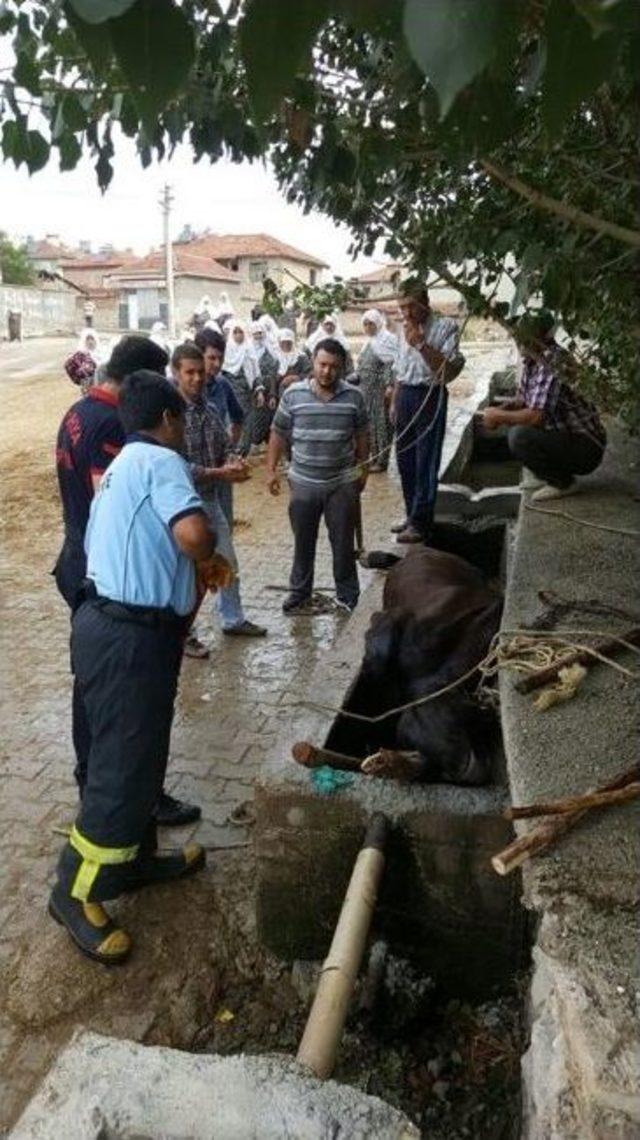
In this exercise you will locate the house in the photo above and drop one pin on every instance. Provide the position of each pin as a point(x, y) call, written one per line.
point(141, 294)
point(253, 257)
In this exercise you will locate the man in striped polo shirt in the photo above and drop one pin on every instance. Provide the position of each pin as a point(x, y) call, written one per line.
point(325, 422)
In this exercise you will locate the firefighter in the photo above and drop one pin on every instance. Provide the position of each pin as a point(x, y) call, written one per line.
point(146, 530)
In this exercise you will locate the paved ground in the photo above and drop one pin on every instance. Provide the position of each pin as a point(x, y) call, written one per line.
point(227, 709)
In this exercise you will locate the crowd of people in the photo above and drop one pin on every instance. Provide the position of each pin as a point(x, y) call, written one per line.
point(147, 460)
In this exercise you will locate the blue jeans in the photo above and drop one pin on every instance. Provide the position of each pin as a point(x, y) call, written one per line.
point(226, 603)
point(419, 448)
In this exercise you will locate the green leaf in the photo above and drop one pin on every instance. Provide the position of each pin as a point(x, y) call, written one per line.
point(12, 140)
point(93, 39)
point(155, 47)
point(70, 152)
point(104, 170)
point(275, 43)
point(381, 17)
point(27, 73)
point(36, 151)
point(99, 11)
point(452, 41)
point(577, 63)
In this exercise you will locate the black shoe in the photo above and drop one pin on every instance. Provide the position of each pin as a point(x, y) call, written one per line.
point(165, 868)
point(397, 527)
point(409, 534)
point(171, 812)
point(293, 603)
point(90, 927)
point(246, 629)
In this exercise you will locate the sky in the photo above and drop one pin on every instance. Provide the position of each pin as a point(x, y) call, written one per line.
point(226, 197)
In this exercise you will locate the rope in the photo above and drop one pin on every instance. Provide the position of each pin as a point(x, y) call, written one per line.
point(583, 522)
point(524, 653)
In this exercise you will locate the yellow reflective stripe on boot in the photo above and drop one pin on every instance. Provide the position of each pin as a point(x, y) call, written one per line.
point(84, 880)
point(103, 856)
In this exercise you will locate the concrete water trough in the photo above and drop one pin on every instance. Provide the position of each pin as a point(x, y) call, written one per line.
point(441, 904)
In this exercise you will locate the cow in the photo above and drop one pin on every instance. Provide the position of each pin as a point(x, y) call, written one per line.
point(438, 621)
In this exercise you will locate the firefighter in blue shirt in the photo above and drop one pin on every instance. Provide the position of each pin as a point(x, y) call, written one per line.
point(147, 529)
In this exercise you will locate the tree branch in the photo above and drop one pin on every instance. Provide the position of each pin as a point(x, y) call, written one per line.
point(560, 209)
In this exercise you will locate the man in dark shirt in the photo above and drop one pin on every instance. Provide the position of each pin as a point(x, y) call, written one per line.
point(89, 438)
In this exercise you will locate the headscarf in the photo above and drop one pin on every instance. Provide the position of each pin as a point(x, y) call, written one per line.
point(383, 343)
point(270, 329)
point(211, 324)
point(95, 353)
point(158, 335)
point(286, 360)
point(258, 349)
point(224, 309)
point(239, 357)
point(322, 334)
point(204, 305)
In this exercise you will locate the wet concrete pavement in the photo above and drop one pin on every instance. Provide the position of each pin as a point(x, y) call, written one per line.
point(229, 706)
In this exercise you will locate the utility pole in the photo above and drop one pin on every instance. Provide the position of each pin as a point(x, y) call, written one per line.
point(165, 205)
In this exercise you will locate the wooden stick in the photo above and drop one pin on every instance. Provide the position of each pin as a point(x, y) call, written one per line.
point(575, 803)
point(311, 757)
point(324, 1027)
point(605, 645)
point(548, 833)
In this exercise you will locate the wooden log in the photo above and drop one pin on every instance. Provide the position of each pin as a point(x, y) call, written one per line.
point(312, 757)
point(324, 1027)
point(543, 836)
point(575, 803)
point(605, 645)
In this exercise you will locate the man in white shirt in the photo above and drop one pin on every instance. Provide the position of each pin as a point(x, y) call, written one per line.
point(429, 359)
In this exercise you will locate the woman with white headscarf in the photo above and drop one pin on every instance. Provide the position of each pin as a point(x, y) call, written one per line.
point(265, 387)
point(293, 365)
point(203, 313)
point(375, 377)
point(241, 370)
point(270, 329)
point(330, 329)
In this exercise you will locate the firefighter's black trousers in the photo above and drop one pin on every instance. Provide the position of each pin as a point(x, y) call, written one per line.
point(126, 661)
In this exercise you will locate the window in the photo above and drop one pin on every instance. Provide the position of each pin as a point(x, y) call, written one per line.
point(258, 270)
point(313, 276)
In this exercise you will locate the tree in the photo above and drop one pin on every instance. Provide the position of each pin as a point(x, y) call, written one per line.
point(459, 131)
point(15, 267)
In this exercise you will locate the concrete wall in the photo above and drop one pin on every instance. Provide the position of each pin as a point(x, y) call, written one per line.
point(189, 291)
point(582, 1066)
point(44, 311)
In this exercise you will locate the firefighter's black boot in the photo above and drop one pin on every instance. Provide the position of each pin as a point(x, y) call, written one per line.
point(158, 868)
point(90, 927)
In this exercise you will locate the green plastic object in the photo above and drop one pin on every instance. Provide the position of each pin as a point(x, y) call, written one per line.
point(327, 780)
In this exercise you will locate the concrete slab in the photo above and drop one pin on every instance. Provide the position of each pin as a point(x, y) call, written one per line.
point(100, 1087)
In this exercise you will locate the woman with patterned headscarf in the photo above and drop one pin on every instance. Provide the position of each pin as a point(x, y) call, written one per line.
point(82, 365)
point(241, 370)
point(375, 377)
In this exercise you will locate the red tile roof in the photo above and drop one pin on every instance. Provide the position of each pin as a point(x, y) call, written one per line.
point(383, 275)
point(228, 246)
point(185, 264)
